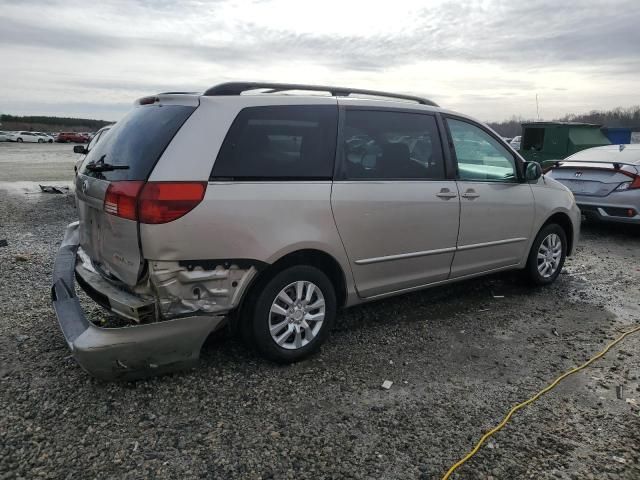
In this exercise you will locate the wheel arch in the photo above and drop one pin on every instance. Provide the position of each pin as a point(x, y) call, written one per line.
point(309, 256)
point(564, 221)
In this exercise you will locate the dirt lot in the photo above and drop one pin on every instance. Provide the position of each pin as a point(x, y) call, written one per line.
point(36, 162)
point(458, 356)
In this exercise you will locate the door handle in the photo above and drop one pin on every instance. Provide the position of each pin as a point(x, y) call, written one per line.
point(445, 193)
point(471, 193)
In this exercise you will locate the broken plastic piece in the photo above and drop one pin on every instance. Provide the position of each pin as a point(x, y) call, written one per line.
point(52, 189)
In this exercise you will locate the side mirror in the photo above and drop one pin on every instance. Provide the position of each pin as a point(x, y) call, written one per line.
point(80, 149)
point(532, 171)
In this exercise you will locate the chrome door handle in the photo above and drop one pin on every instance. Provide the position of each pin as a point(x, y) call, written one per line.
point(445, 193)
point(470, 194)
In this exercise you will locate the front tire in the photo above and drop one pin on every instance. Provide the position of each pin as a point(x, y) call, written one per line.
point(292, 315)
point(547, 255)
point(19, 140)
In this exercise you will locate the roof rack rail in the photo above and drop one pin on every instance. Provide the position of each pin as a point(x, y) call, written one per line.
point(236, 88)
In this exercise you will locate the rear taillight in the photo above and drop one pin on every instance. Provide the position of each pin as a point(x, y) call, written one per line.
point(633, 184)
point(162, 202)
point(153, 202)
point(121, 199)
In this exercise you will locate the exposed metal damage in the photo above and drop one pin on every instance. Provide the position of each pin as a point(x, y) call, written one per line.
point(171, 289)
point(182, 288)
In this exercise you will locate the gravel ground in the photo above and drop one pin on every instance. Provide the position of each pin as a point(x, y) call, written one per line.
point(459, 357)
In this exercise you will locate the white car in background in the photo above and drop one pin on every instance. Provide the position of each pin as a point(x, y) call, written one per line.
point(4, 136)
point(605, 182)
point(515, 142)
point(45, 137)
point(27, 137)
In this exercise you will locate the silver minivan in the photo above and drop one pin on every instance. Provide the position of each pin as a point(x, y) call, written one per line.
point(268, 208)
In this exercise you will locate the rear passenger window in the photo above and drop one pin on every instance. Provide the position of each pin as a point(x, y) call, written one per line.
point(279, 143)
point(391, 145)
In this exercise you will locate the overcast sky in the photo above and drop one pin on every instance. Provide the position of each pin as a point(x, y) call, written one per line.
point(485, 58)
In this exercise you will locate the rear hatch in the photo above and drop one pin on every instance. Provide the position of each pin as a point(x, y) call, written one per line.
point(112, 176)
point(596, 179)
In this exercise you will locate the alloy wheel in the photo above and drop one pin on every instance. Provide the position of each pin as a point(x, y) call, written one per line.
point(296, 315)
point(549, 255)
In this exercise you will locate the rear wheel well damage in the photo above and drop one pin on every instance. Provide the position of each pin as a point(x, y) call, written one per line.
point(563, 220)
point(315, 258)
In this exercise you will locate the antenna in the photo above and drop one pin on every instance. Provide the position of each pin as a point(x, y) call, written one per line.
point(537, 108)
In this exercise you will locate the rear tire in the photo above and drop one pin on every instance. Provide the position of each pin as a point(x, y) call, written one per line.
point(547, 255)
point(40, 140)
point(19, 140)
point(292, 315)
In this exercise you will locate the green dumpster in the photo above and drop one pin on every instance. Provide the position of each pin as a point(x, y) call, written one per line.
point(545, 142)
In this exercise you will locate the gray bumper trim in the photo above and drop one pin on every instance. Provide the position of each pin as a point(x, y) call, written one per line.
point(130, 352)
point(598, 211)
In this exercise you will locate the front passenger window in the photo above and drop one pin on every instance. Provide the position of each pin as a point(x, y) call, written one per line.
point(480, 156)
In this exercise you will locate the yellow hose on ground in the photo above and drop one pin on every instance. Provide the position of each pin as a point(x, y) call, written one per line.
point(475, 449)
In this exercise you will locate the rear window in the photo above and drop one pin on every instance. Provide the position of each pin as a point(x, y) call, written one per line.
point(281, 142)
point(137, 141)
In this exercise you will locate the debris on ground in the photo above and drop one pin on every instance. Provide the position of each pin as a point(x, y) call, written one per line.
point(53, 189)
point(22, 258)
point(387, 384)
point(3, 242)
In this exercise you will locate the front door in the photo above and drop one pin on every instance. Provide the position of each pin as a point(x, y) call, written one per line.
point(496, 208)
point(396, 212)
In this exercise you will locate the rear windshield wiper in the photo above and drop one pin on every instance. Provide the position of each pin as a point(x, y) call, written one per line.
point(100, 166)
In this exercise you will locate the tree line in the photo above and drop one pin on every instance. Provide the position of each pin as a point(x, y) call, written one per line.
point(45, 120)
point(618, 117)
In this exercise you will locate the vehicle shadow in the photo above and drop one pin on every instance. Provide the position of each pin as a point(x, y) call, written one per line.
point(614, 230)
point(436, 302)
point(433, 304)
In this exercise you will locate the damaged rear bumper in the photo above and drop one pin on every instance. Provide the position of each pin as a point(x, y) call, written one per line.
point(129, 352)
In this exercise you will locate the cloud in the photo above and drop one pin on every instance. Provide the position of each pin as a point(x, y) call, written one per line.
point(17, 33)
point(459, 50)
